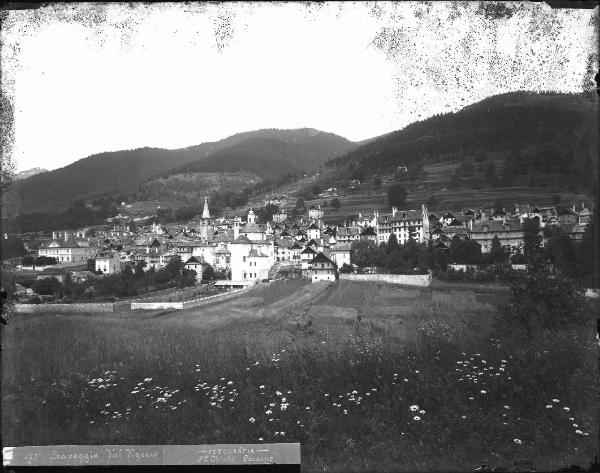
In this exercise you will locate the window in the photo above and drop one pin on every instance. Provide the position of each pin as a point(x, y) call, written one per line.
point(244, 259)
point(244, 275)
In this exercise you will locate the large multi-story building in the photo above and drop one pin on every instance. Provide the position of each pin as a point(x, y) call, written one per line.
point(68, 250)
point(509, 232)
point(404, 224)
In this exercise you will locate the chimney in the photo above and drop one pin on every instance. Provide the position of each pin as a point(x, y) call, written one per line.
point(470, 223)
point(483, 215)
point(236, 229)
point(66, 236)
point(394, 211)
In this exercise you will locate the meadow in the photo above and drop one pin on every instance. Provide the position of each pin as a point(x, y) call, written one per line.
point(367, 377)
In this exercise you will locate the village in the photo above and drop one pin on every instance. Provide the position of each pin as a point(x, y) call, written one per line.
point(240, 251)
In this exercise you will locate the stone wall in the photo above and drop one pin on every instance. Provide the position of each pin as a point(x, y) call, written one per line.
point(156, 305)
point(64, 308)
point(422, 280)
point(216, 298)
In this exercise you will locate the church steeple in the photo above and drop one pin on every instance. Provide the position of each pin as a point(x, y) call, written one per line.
point(205, 212)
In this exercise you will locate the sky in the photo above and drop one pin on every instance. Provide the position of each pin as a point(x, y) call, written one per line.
point(88, 78)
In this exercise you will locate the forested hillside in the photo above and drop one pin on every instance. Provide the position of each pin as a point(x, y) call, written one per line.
point(271, 158)
point(512, 139)
point(270, 153)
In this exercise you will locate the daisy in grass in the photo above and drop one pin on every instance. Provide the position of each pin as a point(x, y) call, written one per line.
point(414, 408)
point(417, 418)
point(517, 441)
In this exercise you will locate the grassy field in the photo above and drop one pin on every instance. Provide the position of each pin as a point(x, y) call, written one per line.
point(368, 377)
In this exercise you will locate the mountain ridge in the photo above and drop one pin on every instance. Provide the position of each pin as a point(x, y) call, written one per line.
point(115, 171)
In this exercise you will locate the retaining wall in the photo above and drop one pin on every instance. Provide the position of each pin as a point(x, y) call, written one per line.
point(216, 298)
point(156, 305)
point(64, 308)
point(422, 280)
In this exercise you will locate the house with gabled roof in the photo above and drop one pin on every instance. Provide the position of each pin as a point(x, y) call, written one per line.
point(306, 256)
point(313, 231)
point(322, 268)
point(196, 264)
point(369, 233)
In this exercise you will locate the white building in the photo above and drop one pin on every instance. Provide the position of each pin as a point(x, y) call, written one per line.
point(340, 254)
point(251, 260)
point(107, 262)
point(68, 250)
point(322, 269)
point(313, 232)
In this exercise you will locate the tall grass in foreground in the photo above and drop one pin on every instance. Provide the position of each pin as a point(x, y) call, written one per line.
point(356, 402)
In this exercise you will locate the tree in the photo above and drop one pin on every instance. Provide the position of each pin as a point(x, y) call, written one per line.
point(316, 189)
point(366, 253)
point(27, 260)
point(465, 252)
point(377, 182)
point(397, 195)
point(563, 255)
point(432, 202)
point(265, 214)
point(490, 172)
point(208, 273)
point(139, 269)
point(45, 261)
point(91, 265)
point(414, 171)
point(466, 167)
point(532, 240)
point(300, 205)
point(346, 269)
point(541, 302)
point(392, 246)
point(174, 267)
point(47, 286)
point(556, 199)
point(335, 203)
point(498, 254)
